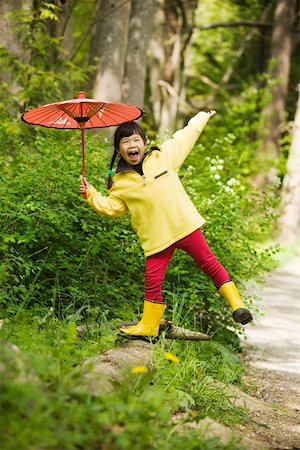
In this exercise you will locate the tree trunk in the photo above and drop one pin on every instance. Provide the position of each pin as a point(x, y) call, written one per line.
point(156, 61)
point(290, 195)
point(108, 48)
point(62, 28)
point(141, 21)
point(273, 113)
point(174, 23)
point(172, 66)
point(9, 37)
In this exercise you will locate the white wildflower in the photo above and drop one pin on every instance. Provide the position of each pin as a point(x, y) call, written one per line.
point(229, 190)
point(232, 182)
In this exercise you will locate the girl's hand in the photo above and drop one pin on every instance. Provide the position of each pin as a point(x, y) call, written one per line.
point(212, 112)
point(84, 185)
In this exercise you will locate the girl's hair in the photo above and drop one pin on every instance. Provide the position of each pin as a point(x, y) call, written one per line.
point(123, 130)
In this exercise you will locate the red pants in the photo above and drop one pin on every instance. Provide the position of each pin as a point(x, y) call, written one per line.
point(196, 246)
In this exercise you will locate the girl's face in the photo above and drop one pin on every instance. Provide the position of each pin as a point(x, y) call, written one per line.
point(132, 149)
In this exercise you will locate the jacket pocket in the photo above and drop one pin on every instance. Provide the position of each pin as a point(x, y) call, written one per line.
point(161, 174)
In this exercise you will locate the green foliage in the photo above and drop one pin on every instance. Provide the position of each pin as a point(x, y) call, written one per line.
point(199, 378)
point(41, 71)
point(55, 250)
point(47, 404)
point(222, 56)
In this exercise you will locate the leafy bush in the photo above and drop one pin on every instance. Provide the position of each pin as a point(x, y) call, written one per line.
point(40, 72)
point(57, 252)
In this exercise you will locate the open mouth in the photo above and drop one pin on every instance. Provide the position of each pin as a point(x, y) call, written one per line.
point(133, 155)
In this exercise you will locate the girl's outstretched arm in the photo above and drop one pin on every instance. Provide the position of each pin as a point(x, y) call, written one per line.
point(182, 142)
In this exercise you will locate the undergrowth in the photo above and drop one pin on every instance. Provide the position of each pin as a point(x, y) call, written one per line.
point(46, 403)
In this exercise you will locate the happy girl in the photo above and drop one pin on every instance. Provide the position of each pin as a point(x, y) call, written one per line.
point(146, 185)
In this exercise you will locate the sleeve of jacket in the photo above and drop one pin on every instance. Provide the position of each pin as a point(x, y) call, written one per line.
point(182, 142)
point(110, 206)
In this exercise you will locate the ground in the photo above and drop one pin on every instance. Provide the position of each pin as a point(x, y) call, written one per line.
point(272, 356)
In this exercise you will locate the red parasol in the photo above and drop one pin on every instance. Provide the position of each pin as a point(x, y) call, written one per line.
point(82, 112)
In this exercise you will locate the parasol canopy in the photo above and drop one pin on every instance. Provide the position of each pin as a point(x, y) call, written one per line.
point(82, 113)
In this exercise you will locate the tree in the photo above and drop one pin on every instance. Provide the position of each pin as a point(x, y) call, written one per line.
point(62, 27)
point(108, 48)
point(290, 194)
point(173, 32)
point(140, 29)
point(9, 38)
point(273, 115)
point(119, 45)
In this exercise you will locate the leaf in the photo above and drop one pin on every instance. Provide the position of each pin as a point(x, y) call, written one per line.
point(71, 333)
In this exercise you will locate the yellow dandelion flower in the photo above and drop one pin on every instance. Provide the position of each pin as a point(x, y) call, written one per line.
point(170, 357)
point(139, 369)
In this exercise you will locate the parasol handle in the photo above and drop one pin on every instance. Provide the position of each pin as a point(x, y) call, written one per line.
point(83, 156)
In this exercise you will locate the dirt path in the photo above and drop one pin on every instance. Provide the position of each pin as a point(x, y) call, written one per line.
point(272, 352)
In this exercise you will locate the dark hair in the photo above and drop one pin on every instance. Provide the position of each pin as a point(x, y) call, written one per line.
point(123, 130)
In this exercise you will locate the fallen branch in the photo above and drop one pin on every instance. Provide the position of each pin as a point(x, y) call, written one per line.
point(173, 332)
point(238, 23)
point(166, 326)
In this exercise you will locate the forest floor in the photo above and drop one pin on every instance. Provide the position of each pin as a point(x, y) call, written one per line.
point(272, 358)
point(271, 384)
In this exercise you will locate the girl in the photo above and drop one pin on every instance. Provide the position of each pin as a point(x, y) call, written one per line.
point(146, 185)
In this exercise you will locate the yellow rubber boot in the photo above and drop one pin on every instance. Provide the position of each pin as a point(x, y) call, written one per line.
point(150, 321)
point(240, 314)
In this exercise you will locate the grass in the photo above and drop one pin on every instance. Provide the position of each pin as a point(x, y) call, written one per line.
point(44, 409)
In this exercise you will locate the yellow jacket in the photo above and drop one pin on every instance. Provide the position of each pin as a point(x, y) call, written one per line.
point(161, 211)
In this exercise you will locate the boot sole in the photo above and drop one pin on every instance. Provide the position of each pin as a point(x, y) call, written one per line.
point(242, 315)
point(131, 337)
point(127, 333)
